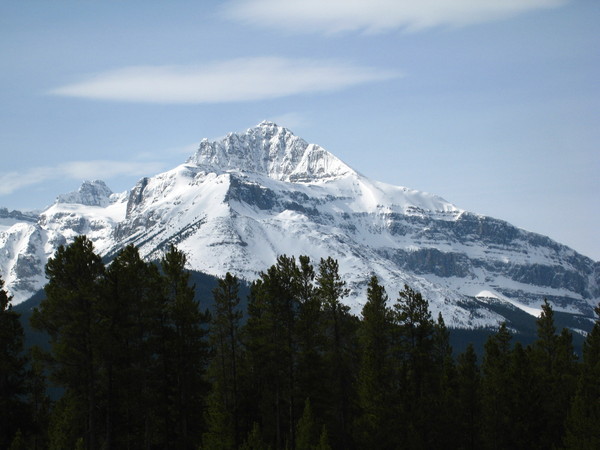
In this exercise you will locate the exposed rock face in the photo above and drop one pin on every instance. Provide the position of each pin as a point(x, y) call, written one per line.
point(90, 193)
point(241, 201)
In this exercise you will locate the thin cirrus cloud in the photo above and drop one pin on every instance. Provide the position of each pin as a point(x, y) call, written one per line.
point(75, 170)
point(376, 16)
point(237, 80)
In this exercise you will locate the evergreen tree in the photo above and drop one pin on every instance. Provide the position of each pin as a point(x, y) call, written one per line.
point(65, 428)
point(376, 375)
point(223, 415)
point(582, 430)
point(18, 443)
point(254, 440)
point(125, 342)
point(340, 349)
point(323, 440)
point(310, 340)
point(184, 354)
point(555, 375)
point(39, 403)
point(69, 314)
point(14, 411)
point(306, 431)
point(273, 347)
point(524, 405)
point(468, 411)
point(443, 391)
point(416, 330)
point(496, 390)
point(219, 433)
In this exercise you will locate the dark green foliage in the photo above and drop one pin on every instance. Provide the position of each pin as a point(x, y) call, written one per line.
point(128, 348)
point(416, 366)
point(306, 431)
point(376, 377)
point(18, 443)
point(583, 430)
point(554, 365)
point(223, 414)
point(468, 401)
point(271, 340)
point(443, 390)
point(70, 316)
point(254, 441)
point(323, 440)
point(310, 340)
point(523, 401)
point(340, 350)
point(141, 366)
point(184, 354)
point(495, 390)
point(39, 403)
point(14, 410)
point(127, 335)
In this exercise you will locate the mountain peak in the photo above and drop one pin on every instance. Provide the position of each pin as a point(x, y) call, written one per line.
point(90, 193)
point(270, 150)
point(267, 124)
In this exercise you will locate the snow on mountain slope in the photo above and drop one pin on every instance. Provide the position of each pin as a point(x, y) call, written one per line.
point(239, 202)
point(26, 244)
point(269, 150)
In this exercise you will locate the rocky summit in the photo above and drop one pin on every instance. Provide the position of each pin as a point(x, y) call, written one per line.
point(239, 202)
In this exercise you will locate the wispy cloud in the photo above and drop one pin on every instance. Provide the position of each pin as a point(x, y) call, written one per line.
point(76, 170)
point(375, 16)
point(237, 80)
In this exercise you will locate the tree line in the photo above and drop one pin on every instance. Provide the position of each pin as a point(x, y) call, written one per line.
point(142, 365)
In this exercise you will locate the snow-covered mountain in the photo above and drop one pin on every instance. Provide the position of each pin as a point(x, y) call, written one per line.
point(239, 202)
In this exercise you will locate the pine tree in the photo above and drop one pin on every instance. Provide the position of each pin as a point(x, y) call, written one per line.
point(306, 431)
point(39, 403)
point(223, 418)
point(582, 430)
point(310, 340)
point(184, 354)
point(273, 348)
point(69, 315)
point(496, 390)
point(14, 411)
point(468, 411)
point(416, 330)
point(220, 433)
point(323, 440)
point(524, 405)
point(442, 395)
point(125, 339)
point(376, 375)
point(254, 441)
point(340, 349)
point(554, 364)
point(18, 443)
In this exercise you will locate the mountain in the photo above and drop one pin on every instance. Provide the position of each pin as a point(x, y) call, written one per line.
point(237, 203)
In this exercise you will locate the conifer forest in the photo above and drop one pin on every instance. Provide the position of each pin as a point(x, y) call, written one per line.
point(136, 362)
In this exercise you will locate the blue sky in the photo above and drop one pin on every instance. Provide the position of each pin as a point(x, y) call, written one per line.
point(492, 104)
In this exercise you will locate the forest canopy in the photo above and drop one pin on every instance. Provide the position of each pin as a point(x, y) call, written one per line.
point(142, 364)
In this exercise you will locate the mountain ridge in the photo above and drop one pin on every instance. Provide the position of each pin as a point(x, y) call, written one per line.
point(269, 150)
point(239, 202)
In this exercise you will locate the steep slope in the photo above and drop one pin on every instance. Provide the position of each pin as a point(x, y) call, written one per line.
point(27, 241)
point(239, 202)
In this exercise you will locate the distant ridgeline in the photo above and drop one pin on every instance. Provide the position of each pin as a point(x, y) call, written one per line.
point(17, 215)
point(145, 359)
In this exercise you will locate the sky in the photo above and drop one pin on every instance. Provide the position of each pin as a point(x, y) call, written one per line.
point(492, 104)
